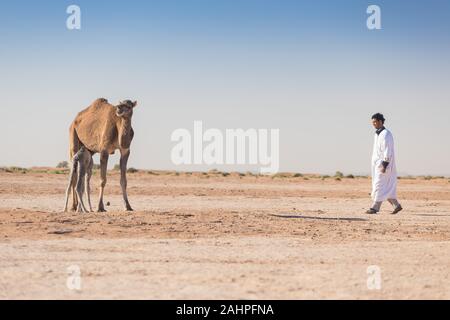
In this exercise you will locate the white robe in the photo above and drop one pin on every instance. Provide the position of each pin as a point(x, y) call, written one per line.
point(384, 185)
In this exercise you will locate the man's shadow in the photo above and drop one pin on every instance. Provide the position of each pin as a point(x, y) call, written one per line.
point(317, 218)
point(430, 215)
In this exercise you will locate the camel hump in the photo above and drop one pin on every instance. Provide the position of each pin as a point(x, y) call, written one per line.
point(100, 101)
point(94, 106)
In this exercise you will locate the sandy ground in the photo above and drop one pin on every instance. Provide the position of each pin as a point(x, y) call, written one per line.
point(214, 237)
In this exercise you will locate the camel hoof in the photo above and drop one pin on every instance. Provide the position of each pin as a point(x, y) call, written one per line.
point(101, 210)
point(129, 209)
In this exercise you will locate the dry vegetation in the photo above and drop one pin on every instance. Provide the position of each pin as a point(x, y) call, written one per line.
point(62, 168)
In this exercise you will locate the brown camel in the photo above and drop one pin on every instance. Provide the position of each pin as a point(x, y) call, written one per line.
point(103, 128)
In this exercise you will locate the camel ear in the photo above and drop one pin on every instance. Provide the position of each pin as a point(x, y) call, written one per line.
point(134, 104)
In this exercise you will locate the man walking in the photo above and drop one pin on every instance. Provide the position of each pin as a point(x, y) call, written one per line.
point(384, 172)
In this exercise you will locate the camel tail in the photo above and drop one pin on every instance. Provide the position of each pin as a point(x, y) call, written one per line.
point(74, 142)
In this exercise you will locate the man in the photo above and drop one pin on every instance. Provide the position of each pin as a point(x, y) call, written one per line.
point(384, 173)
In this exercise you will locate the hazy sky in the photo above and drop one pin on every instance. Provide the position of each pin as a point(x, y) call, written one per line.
point(310, 68)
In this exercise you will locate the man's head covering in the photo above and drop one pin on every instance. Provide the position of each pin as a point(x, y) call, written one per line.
point(378, 116)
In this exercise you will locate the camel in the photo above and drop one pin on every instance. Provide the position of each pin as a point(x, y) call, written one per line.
point(103, 128)
point(82, 163)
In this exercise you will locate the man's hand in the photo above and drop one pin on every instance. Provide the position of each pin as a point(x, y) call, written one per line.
point(384, 165)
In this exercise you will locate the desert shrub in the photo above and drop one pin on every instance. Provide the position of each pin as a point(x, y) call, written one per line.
point(15, 170)
point(117, 167)
point(350, 176)
point(57, 172)
point(281, 175)
point(298, 175)
point(339, 174)
point(62, 165)
point(225, 174)
point(325, 177)
point(337, 179)
point(132, 170)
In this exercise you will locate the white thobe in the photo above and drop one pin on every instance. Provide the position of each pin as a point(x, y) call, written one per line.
point(384, 185)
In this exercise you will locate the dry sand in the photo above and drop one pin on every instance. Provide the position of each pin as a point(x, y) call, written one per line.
point(214, 237)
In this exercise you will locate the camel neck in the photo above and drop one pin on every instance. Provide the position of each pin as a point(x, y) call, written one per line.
point(125, 133)
point(125, 125)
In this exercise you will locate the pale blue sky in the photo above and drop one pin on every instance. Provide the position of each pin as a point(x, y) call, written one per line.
point(310, 68)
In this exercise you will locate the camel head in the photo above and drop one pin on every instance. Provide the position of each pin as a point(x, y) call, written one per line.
point(125, 108)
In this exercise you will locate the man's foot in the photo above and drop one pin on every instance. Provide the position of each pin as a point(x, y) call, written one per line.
point(397, 210)
point(371, 211)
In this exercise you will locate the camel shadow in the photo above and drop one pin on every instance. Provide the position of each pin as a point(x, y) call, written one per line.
point(317, 218)
point(431, 215)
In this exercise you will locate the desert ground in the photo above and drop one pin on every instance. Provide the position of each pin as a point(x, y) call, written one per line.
point(217, 236)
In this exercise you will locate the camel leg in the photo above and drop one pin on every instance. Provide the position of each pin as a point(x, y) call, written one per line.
point(74, 154)
point(88, 183)
point(67, 197)
point(69, 186)
point(123, 178)
point(80, 182)
point(80, 188)
point(74, 190)
point(103, 167)
point(81, 206)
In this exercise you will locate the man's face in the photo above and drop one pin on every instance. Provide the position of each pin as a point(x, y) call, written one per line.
point(377, 124)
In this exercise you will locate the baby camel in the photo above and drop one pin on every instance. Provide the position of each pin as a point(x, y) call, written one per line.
point(80, 175)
